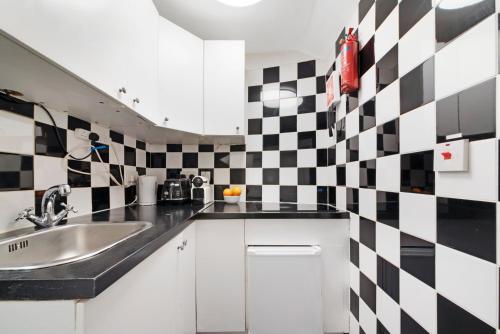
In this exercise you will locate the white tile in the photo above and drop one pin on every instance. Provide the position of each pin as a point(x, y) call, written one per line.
point(417, 215)
point(387, 35)
point(254, 110)
point(388, 312)
point(388, 241)
point(236, 159)
point(479, 182)
point(160, 173)
point(140, 158)
point(368, 262)
point(253, 176)
point(366, 28)
point(205, 160)
point(498, 99)
point(340, 197)
point(80, 148)
point(322, 66)
point(352, 123)
point(387, 104)
point(419, 301)
point(469, 282)
point(174, 160)
point(306, 122)
point(17, 133)
point(353, 325)
point(270, 159)
point(254, 143)
point(340, 153)
point(254, 77)
point(352, 174)
point(288, 176)
point(116, 157)
point(418, 44)
point(354, 227)
point(271, 91)
point(368, 203)
point(81, 199)
point(102, 131)
point(189, 148)
point(368, 144)
point(323, 139)
point(270, 193)
point(61, 118)
point(48, 172)
point(306, 158)
point(368, 86)
point(288, 107)
point(341, 110)
point(306, 87)
point(157, 148)
point(459, 66)
point(388, 173)
point(288, 141)
point(321, 102)
point(100, 176)
point(221, 176)
point(323, 176)
point(130, 175)
point(307, 194)
point(116, 197)
point(222, 148)
point(418, 129)
point(367, 319)
point(13, 202)
point(354, 278)
point(129, 141)
point(288, 72)
point(270, 125)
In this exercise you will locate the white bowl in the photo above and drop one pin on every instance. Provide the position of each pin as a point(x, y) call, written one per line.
point(231, 199)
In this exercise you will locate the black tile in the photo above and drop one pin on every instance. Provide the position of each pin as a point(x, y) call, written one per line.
point(173, 173)
point(322, 157)
point(100, 198)
point(368, 292)
point(288, 124)
point(306, 140)
point(337, 43)
point(46, 142)
point(388, 138)
point(103, 152)
point(271, 108)
point(219, 191)
point(140, 145)
point(253, 193)
point(307, 176)
point(254, 159)
point(417, 172)
point(237, 148)
point(322, 195)
point(205, 148)
point(190, 160)
point(148, 159)
point(306, 104)
point(271, 142)
point(288, 89)
point(368, 174)
point(17, 106)
point(364, 7)
point(367, 115)
point(16, 172)
point(340, 127)
point(453, 319)
point(158, 160)
point(367, 234)
point(130, 159)
point(322, 120)
point(288, 158)
point(382, 9)
point(354, 305)
point(76, 123)
point(332, 158)
point(271, 74)
point(388, 278)
point(115, 171)
point(288, 194)
point(470, 112)
point(321, 84)
point(387, 69)
point(410, 326)
point(341, 177)
point(352, 200)
point(271, 176)
point(416, 88)
point(209, 170)
point(453, 19)
point(221, 160)
point(174, 148)
point(367, 56)
point(306, 69)
point(352, 149)
point(468, 226)
point(130, 194)
point(418, 258)
point(380, 327)
point(237, 176)
point(354, 252)
point(116, 137)
point(352, 101)
point(255, 126)
point(410, 12)
point(141, 171)
point(388, 208)
point(77, 180)
point(254, 93)
point(38, 202)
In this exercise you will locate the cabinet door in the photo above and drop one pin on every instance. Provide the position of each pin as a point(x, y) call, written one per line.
point(224, 87)
point(186, 319)
point(220, 275)
point(180, 78)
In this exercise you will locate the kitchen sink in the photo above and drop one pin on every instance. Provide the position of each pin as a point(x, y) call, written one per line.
point(64, 244)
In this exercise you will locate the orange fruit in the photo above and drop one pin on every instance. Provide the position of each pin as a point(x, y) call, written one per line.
point(228, 192)
point(236, 191)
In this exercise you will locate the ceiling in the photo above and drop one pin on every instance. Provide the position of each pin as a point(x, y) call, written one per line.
point(299, 27)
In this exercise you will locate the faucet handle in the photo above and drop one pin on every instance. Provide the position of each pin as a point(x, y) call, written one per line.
point(24, 214)
point(69, 208)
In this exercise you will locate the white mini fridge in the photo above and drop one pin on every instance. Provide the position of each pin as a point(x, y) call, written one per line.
point(284, 290)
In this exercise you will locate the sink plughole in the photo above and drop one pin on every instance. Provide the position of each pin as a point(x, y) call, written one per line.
point(64, 244)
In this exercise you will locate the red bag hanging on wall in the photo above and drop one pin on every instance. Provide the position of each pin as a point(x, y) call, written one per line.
point(349, 63)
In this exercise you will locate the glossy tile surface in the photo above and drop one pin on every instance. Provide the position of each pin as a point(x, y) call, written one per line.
point(367, 115)
point(16, 172)
point(352, 149)
point(271, 74)
point(367, 233)
point(388, 278)
point(382, 9)
point(307, 104)
point(368, 174)
point(387, 68)
point(368, 292)
point(77, 180)
point(46, 140)
point(388, 208)
point(306, 69)
point(388, 138)
point(417, 172)
point(418, 258)
point(288, 124)
point(417, 86)
point(363, 7)
point(306, 139)
point(410, 12)
point(271, 142)
point(367, 56)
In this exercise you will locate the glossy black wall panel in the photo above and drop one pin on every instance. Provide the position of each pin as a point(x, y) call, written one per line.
point(410, 12)
point(341, 176)
point(368, 174)
point(417, 172)
point(288, 194)
point(174, 148)
point(46, 142)
point(354, 304)
point(271, 142)
point(388, 138)
point(381, 328)
point(306, 69)
point(352, 101)
point(368, 292)
point(16, 172)
point(322, 157)
point(382, 9)
point(340, 130)
point(367, 233)
point(237, 176)
point(288, 158)
point(306, 176)
point(255, 126)
point(354, 252)
point(77, 180)
point(271, 108)
point(367, 115)
point(271, 74)
point(307, 104)
point(221, 159)
point(76, 123)
point(130, 156)
point(387, 68)
point(271, 176)
point(306, 139)
point(254, 193)
point(367, 56)
point(364, 7)
point(352, 149)
point(288, 89)
point(254, 93)
point(288, 124)
point(417, 86)
point(388, 208)
point(17, 106)
point(388, 278)
point(189, 160)
point(410, 326)
point(100, 198)
point(352, 200)
point(254, 159)
point(418, 258)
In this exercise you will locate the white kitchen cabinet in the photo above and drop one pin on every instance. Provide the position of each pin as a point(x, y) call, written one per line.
point(224, 85)
point(111, 44)
point(220, 275)
point(180, 78)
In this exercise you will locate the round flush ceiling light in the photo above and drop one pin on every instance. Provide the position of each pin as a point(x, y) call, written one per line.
point(457, 4)
point(239, 3)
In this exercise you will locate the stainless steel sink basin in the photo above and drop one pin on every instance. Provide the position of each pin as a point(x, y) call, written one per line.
point(64, 244)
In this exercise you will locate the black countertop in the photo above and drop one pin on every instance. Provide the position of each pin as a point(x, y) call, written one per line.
point(88, 278)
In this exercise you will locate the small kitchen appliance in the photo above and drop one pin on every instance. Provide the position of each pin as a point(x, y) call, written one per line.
point(176, 190)
point(201, 190)
point(147, 190)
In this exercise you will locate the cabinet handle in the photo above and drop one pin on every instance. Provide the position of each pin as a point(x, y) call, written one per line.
point(237, 129)
point(166, 119)
point(136, 100)
point(122, 90)
point(180, 247)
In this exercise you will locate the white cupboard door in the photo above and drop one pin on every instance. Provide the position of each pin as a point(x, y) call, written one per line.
point(224, 87)
point(220, 275)
point(187, 283)
point(180, 78)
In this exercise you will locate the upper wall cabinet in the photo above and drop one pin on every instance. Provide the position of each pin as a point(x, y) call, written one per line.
point(224, 82)
point(111, 44)
point(180, 78)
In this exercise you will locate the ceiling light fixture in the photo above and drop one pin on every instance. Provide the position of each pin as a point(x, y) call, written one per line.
point(457, 4)
point(239, 3)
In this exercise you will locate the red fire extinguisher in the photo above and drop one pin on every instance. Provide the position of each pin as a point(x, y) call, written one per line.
point(349, 63)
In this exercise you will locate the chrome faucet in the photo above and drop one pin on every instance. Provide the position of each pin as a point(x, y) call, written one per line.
point(49, 218)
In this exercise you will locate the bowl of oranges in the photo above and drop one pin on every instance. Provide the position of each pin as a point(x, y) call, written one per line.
point(232, 195)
